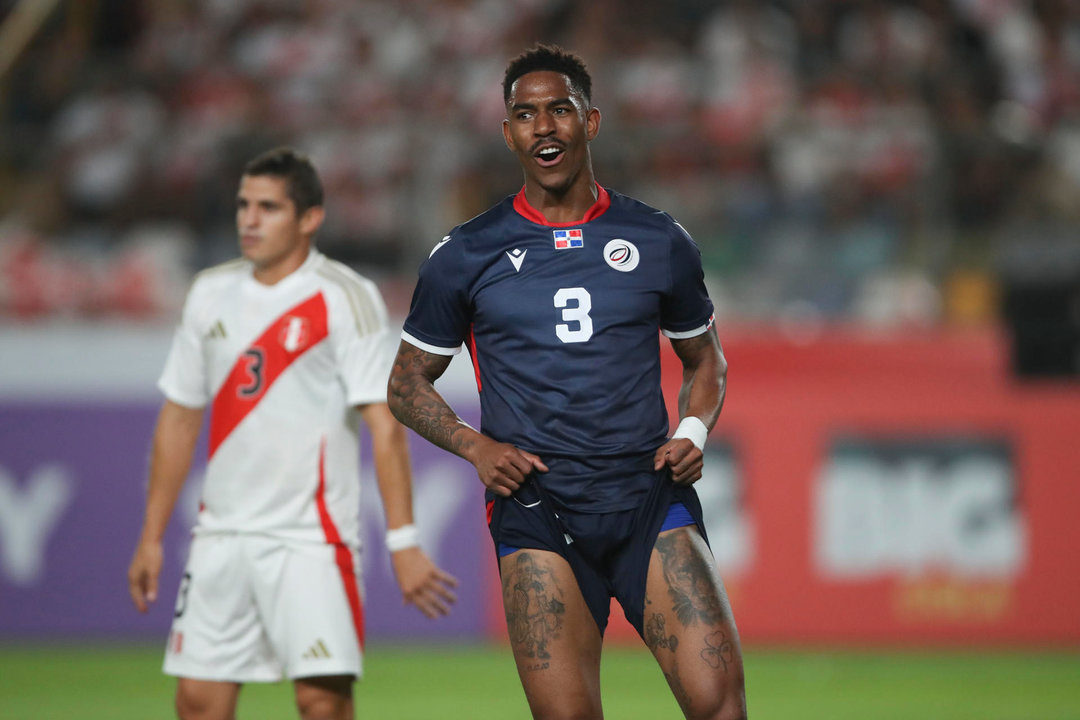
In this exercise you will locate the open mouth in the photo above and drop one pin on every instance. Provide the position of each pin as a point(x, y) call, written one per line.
point(548, 155)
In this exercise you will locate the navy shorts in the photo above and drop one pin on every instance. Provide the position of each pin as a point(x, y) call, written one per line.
point(609, 553)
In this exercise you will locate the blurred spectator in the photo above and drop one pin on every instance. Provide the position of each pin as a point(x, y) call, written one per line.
point(849, 160)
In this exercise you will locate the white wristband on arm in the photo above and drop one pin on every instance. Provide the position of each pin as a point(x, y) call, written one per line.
point(406, 536)
point(693, 430)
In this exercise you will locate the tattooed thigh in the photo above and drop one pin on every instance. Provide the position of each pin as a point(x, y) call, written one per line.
point(535, 605)
point(690, 579)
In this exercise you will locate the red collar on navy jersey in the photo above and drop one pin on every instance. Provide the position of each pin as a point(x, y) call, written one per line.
point(522, 206)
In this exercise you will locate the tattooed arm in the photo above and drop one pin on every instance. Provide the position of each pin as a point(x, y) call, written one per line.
point(704, 381)
point(417, 404)
point(704, 384)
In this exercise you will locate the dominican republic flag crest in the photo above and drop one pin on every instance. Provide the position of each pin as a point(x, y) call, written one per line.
point(568, 239)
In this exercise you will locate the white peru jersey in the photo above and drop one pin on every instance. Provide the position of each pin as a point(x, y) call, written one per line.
point(282, 369)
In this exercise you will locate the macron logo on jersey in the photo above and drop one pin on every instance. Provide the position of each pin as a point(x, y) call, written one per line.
point(565, 239)
point(517, 256)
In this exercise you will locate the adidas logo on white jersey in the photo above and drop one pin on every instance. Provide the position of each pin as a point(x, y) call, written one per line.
point(218, 331)
point(318, 650)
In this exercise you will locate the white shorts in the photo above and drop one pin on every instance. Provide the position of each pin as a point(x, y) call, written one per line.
point(254, 608)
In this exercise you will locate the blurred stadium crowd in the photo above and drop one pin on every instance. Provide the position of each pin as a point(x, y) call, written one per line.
point(881, 163)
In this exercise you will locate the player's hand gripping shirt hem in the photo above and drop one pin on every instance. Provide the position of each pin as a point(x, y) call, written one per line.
point(427, 347)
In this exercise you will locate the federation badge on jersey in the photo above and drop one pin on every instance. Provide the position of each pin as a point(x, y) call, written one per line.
point(622, 255)
point(295, 333)
point(565, 239)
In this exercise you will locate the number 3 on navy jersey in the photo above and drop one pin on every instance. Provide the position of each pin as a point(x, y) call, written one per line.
point(576, 304)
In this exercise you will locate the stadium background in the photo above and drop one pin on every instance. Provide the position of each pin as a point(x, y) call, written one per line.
point(887, 200)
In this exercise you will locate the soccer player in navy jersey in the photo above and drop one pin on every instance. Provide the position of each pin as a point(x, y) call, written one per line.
point(560, 293)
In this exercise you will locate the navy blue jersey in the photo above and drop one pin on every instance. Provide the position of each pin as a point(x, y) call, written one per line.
point(563, 323)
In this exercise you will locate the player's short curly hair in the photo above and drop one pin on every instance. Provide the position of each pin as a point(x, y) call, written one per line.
point(304, 187)
point(549, 57)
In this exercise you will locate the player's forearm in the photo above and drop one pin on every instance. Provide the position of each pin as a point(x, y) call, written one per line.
point(170, 461)
point(393, 473)
point(702, 395)
point(416, 403)
point(704, 383)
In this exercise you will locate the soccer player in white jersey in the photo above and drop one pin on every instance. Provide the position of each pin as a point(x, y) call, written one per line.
point(288, 349)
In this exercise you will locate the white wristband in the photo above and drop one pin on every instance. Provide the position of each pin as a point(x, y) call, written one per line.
point(693, 430)
point(406, 536)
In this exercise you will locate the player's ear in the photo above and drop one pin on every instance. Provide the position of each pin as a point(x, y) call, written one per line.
point(508, 137)
point(592, 123)
point(312, 219)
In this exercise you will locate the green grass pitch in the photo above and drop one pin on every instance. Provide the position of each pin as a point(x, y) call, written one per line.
point(471, 682)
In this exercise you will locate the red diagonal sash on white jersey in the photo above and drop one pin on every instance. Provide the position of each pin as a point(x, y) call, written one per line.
point(287, 338)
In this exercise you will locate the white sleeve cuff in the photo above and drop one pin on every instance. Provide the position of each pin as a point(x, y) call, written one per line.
point(429, 347)
point(684, 334)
